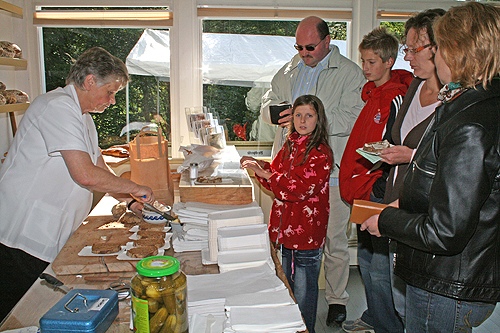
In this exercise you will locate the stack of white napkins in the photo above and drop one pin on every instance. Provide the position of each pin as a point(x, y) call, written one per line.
point(206, 323)
point(228, 218)
point(194, 217)
point(262, 299)
point(284, 319)
point(243, 246)
point(207, 287)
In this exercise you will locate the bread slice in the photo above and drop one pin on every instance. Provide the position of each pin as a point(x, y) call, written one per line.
point(142, 251)
point(376, 147)
point(158, 242)
point(151, 226)
point(150, 234)
point(130, 218)
point(106, 248)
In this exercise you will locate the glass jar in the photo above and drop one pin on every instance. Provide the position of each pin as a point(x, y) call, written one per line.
point(159, 296)
point(193, 170)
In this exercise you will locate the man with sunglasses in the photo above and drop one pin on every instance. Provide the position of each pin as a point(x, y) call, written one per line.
point(319, 69)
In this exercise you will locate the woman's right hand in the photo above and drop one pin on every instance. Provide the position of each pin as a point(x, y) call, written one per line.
point(144, 194)
point(396, 155)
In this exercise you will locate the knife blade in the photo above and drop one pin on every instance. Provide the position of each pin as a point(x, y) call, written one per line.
point(154, 209)
point(54, 282)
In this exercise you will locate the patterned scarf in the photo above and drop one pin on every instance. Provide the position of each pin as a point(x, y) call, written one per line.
point(450, 91)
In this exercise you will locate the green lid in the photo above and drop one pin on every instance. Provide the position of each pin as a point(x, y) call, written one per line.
point(157, 266)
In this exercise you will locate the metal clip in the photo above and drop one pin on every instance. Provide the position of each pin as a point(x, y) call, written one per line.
point(72, 298)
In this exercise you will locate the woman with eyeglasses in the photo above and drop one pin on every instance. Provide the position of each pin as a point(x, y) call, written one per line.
point(448, 221)
point(414, 115)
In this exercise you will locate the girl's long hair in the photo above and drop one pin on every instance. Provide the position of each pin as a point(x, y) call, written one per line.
point(318, 136)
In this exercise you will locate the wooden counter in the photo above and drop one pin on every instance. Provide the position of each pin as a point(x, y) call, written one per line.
point(78, 272)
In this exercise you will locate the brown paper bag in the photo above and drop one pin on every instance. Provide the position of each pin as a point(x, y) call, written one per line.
point(362, 210)
point(149, 165)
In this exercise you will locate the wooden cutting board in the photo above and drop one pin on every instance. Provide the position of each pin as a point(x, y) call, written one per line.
point(69, 262)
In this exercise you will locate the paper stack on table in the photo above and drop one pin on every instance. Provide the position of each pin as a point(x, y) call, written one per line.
point(228, 218)
point(243, 246)
point(256, 300)
point(193, 235)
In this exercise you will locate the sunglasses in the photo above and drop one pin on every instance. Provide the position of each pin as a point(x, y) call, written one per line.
point(309, 48)
point(410, 50)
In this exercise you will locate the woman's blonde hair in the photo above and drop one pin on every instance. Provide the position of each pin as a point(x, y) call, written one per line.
point(468, 38)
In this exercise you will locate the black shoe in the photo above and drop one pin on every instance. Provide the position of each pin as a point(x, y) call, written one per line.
point(336, 315)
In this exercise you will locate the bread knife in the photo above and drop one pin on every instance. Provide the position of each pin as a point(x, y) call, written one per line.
point(54, 282)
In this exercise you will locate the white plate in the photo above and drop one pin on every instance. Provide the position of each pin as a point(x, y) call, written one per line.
point(123, 255)
point(135, 228)
point(87, 252)
point(164, 247)
point(168, 235)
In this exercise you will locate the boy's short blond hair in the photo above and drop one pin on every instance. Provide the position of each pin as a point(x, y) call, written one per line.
point(382, 43)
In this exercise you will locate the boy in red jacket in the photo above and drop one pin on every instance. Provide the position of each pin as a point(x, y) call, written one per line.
point(359, 179)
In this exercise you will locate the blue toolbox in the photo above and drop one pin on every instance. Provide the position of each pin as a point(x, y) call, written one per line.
point(82, 310)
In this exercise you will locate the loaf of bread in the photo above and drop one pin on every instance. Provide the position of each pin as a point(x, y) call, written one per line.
point(106, 248)
point(116, 151)
point(142, 251)
point(10, 50)
point(119, 209)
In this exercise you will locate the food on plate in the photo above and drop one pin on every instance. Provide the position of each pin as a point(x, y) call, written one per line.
point(151, 234)
point(2, 86)
point(118, 209)
point(150, 226)
point(142, 251)
point(106, 248)
point(13, 96)
point(158, 242)
point(129, 218)
point(376, 147)
point(209, 179)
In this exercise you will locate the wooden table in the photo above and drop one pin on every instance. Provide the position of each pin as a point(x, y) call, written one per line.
point(91, 273)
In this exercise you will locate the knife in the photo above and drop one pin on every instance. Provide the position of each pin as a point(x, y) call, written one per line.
point(154, 209)
point(54, 282)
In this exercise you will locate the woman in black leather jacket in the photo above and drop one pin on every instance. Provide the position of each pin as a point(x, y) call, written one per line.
point(448, 222)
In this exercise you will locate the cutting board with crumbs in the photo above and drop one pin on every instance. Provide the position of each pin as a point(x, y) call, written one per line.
point(68, 261)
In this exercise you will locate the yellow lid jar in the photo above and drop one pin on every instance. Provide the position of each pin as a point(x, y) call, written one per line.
point(159, 296)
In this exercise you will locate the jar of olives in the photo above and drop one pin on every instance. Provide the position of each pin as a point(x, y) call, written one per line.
point(159, 296)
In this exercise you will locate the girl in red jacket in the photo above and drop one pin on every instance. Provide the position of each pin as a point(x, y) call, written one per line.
point(298, 177)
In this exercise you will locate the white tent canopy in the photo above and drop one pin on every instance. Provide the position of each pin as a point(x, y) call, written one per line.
point(228, 59)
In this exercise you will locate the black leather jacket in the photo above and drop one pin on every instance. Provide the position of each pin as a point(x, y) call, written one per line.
point(448, 226)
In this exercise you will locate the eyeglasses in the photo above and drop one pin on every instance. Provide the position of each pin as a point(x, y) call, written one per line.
point(309, 48)
point(410, 50)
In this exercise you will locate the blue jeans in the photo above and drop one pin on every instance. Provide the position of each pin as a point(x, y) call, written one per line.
point(301, 268)
point(428, 313)
point(398, 285)
point(375, 266)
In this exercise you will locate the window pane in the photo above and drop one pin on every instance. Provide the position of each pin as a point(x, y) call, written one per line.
point(398, 29)
point(61, 45)
point(239, 60)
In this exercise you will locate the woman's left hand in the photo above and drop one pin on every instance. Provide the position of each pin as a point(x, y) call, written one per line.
point(371, 224)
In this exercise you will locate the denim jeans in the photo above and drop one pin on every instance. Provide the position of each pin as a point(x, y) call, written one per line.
point(301, 268)
point(398, 285)
point(374, 264)
point(428, 313)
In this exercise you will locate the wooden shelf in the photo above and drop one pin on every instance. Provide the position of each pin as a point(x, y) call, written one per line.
point(11, 8)
point(13, 107)
point(13, 62)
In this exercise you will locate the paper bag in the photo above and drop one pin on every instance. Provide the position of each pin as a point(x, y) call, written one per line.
point(362, 210)
point(149, 165)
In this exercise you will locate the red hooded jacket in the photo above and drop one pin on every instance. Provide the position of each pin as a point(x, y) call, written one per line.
point(355, 180)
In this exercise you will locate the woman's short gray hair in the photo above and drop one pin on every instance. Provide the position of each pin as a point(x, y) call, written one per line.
point(100, 63)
